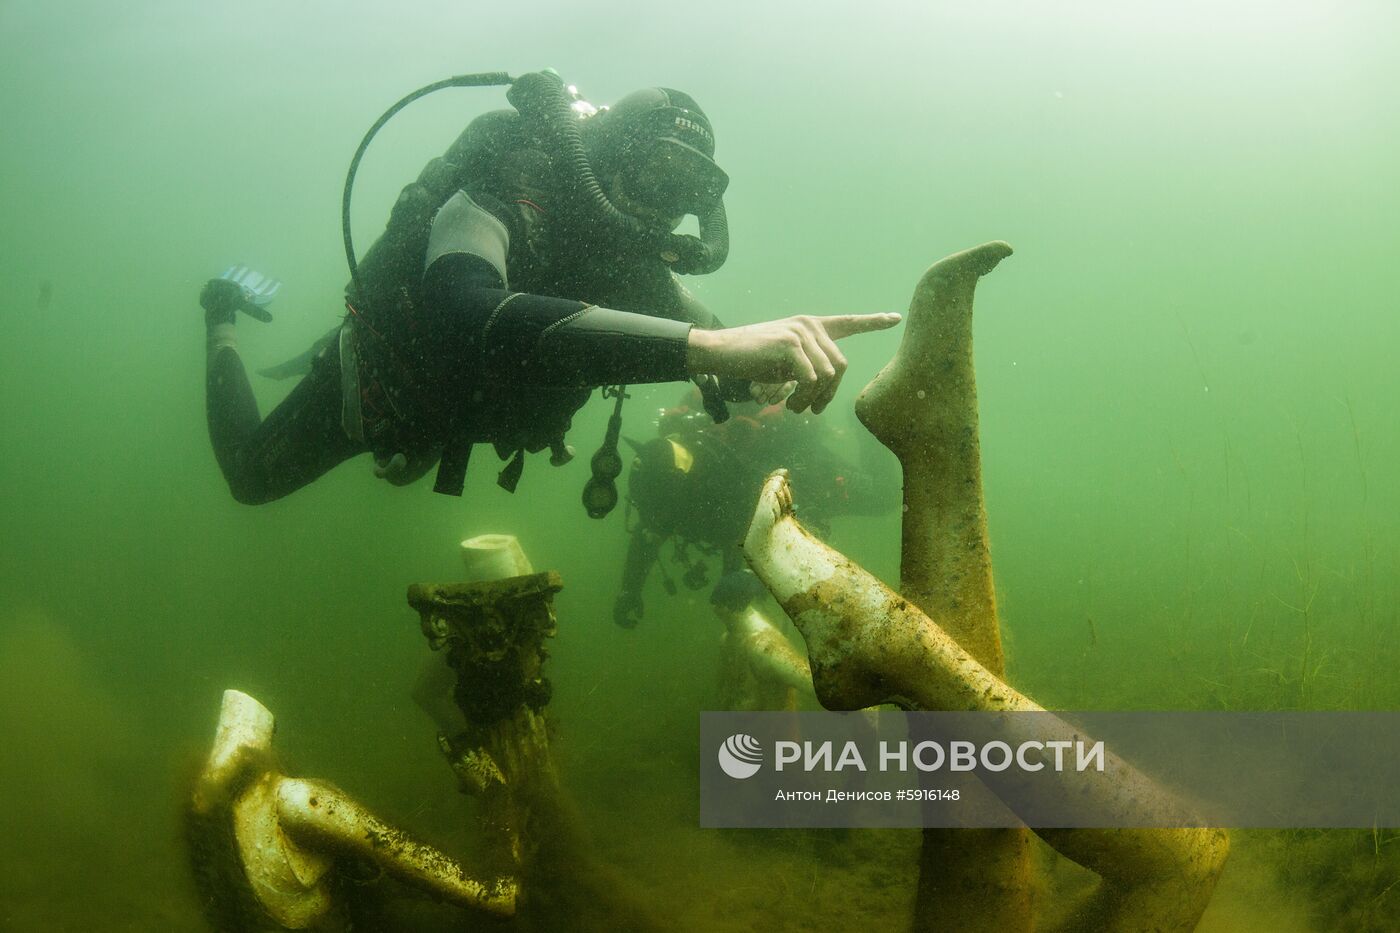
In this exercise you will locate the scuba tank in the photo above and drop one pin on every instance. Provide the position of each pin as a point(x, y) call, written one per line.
point(381, 293)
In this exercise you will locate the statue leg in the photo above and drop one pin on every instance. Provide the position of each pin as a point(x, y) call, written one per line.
point(868, 645)
point(923, 407)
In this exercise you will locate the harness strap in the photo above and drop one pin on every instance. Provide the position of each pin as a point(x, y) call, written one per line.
point(452, 468)
point(509, 477)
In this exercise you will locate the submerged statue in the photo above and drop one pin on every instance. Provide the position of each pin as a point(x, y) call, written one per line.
point(273, 852)
point(759, 668)
point(937, 646)
point(493, 633)
point(267, 848)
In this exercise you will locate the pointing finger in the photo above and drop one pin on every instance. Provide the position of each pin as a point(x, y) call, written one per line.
point(844, 325)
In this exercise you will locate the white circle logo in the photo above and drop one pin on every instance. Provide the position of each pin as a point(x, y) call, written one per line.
point(740, 756)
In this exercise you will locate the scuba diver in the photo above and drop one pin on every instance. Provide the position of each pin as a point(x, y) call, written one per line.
point(693, 486)
point(537, 259)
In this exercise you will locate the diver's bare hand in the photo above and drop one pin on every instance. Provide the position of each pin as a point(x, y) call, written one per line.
point(801, 349)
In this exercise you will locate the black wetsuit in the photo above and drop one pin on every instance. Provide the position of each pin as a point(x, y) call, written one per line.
point(467, 359)
point(265, 459)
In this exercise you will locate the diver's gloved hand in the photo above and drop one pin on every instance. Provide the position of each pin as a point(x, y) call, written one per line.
point(220, 300)
point(394, 469)
point(736, 591)
point(401, 469)
point(627, 610)
point(222, 297)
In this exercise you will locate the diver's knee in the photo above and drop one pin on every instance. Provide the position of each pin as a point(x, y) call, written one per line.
point(250, 492)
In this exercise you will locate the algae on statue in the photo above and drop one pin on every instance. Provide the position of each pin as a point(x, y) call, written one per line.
point(266, 849)
point(868, 645)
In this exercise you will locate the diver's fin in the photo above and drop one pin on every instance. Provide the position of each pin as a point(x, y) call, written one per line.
point(258, 288)
point(257, 291)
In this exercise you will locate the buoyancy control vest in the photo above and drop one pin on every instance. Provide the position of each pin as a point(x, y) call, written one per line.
point(400, 407)
point(503, 161)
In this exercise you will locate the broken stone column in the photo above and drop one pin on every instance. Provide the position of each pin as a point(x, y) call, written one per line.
point(923, 407)
point(494, 634)
point(266, 848)
point(484, 557)
point(869, 645)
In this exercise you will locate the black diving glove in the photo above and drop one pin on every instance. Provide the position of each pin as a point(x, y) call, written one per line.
point(220, 300)
point(736, 591)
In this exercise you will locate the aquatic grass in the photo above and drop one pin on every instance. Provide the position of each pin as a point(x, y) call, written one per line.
point(1366, 592)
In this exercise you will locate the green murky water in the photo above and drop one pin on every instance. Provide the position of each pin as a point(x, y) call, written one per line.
point(1186, 373)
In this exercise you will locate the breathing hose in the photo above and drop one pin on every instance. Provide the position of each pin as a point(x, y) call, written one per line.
point(482, 79)
point(540, 96)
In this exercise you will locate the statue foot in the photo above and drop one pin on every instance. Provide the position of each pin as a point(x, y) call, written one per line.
point(927, 389)
point(864, 641)
point(970, 263)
